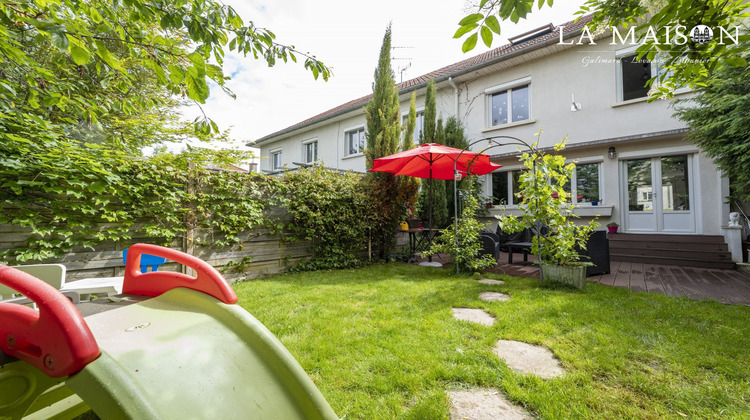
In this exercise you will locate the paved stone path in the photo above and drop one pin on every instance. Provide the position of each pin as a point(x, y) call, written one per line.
point(527, 358)
point(491, 281)
point(491, 404)
point(473, 315)
point(494, 297)
point(483, 404)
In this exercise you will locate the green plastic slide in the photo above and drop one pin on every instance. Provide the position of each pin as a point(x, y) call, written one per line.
point(177, 353)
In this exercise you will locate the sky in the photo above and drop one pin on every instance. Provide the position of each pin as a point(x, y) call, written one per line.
point(346, 35)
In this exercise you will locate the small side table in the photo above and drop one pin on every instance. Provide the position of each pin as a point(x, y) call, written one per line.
point(519, 246)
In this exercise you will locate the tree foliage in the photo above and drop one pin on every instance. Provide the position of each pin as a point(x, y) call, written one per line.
point(332, 210)
point(686, 63)
point(379, 110)
point(467, 255)
point(71, 197)
point(409, 186)
point(434, 191)
point(544, 202)
point(455, 137)
point(383, 134)
point(718, 119)
point(430, 113)
point(178, 45)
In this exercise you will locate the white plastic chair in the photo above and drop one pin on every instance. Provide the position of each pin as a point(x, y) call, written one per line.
point(52, 274)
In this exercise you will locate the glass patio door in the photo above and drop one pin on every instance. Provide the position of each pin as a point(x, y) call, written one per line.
point(658, 195)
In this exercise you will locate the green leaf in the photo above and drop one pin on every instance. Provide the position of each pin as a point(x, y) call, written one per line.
point(470, 43)
point(736, 61)
point(486, 36)
point(464, 30)
point(59, 40)
point(80, 55)
point(95, 16)
point(492, 23)
point(473, 18)
point(197, 88)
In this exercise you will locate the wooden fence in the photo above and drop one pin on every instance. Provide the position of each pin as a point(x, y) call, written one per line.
point(259, 253)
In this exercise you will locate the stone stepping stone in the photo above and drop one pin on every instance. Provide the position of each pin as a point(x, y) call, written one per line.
point(483, 404)
point(491, 281)
point(473, 315)
point(494, 297)
point(527, 358)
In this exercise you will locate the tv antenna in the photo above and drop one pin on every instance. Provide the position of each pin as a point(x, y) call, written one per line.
point(402, 68)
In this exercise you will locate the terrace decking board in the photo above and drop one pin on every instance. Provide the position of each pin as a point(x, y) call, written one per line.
point(652, 280)
point(671, 285)
point(609, 279)
point(637, 279)
point(623, 275)
point(723, 286)
point(690, 284)
point(738, 282)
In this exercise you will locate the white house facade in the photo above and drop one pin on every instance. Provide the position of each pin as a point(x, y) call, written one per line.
point(633, 165)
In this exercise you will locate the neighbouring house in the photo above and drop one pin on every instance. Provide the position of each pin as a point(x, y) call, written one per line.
point(633, 165)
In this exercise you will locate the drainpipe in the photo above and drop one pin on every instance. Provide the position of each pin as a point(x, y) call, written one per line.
point(455, 90)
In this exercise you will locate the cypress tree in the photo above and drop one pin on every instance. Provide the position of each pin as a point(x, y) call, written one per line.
point(455, 137)
point(382, 138)
point(430, 113)
point(409, 186)
point(383, 133)
point(433, 135)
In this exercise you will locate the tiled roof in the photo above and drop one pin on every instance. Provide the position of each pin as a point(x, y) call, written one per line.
point(485, 59)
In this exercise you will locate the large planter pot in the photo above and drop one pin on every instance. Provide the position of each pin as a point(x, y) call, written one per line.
point(574, 276)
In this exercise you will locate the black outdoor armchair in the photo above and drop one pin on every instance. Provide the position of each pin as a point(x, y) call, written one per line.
point(490, 245)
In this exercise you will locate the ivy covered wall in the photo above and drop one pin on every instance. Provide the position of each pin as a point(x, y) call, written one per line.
point(72, 207)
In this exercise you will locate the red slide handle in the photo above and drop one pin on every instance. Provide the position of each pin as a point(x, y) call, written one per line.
point(208, 280)
point(55, 339)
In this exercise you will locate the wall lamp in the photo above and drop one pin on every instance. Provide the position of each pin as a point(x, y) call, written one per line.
point(612, 152)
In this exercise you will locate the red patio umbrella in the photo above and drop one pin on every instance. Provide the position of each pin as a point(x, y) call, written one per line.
point(434, 161)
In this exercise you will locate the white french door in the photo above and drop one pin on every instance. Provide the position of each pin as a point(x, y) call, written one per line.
point(658, 194)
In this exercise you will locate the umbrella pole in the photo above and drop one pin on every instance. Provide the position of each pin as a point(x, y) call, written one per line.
point(429, 232)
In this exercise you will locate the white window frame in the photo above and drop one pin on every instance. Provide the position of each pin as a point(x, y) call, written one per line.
point(305, 144)
point(574, 180)
point(508, 171)
point(346, 140)
point(507, 87)
point(273, 153)
point(619, 55)
point(417, 128)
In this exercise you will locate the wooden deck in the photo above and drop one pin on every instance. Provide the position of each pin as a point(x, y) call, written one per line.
point(726, 286)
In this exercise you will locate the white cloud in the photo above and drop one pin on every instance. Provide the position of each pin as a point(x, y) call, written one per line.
point(346, 35)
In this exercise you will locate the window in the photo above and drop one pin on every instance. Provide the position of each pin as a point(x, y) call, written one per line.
point(586, 180)
point(355, 142)
point(310, 151)
point(509, 106)
point(505, 187)
point(418, 126)
point(276, 160)
point(634, 75)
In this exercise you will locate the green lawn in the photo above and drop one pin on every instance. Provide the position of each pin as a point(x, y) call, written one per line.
point(380, 343)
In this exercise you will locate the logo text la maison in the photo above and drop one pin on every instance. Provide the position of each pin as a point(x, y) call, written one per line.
point(679, 35)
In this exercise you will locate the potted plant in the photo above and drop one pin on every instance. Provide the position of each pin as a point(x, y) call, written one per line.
point(595, 201)
point(557, 248)
point(612, 227)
